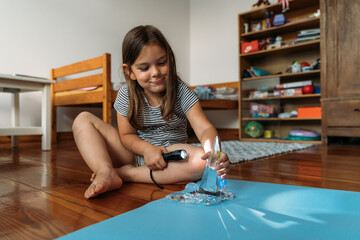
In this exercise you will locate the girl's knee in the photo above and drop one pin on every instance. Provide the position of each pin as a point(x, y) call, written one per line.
point(81, 120)
point(197, 164)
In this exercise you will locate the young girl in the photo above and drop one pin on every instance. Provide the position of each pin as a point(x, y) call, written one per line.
point(152, 112)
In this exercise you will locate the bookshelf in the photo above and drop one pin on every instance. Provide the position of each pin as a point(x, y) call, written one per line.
point(276, 61)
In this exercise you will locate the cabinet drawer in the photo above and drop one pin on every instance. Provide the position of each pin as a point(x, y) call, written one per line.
point(342, 113)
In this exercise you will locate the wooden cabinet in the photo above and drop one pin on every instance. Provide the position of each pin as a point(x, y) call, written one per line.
point(340, 56)
point(276, 61)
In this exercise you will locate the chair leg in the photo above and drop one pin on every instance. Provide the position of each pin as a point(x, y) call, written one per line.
point(53, 125)
point(107, 111)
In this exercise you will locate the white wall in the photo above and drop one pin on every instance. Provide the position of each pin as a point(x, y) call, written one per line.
point(38, 35)
point(214, 48)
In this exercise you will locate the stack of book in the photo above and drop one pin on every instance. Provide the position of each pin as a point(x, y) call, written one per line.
point(307, 35)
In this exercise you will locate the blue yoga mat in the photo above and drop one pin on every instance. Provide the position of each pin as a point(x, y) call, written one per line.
point(259, 211)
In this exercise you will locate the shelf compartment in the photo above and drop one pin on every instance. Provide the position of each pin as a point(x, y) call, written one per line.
point(280, 119)
point(277, 140)
point(315, 44)
point(259, 13)
point(283, 97)
point(289, 27)
point(286, 75)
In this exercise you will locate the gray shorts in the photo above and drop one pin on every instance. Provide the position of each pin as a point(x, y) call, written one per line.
point(139, 160)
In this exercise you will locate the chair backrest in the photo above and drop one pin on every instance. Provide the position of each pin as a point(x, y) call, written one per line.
point(96, 79)
point(64, 93)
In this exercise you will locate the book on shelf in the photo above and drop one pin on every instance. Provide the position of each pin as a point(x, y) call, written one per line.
point(309, 32)
point(304, 39)
point(308, 35)
point(294, 84)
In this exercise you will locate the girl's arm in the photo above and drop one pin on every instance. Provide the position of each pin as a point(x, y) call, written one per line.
point(129, 138)
point(206, 134)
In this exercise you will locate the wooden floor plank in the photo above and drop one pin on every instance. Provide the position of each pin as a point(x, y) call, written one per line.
point(26, 213)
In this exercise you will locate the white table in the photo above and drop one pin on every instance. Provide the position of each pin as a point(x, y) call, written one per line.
point(15, 85)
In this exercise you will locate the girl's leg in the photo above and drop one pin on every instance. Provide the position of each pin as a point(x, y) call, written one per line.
point(190, 169)
point(100, 146)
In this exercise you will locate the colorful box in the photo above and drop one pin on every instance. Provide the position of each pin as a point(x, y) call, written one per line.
point(291, 92)
point(309, 112)
point(248, 47)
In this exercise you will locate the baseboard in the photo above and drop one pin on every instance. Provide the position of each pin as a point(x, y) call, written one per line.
point(62, 136)
point(225, 134)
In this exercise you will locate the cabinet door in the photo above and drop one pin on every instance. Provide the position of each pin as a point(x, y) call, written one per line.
point(342, 46)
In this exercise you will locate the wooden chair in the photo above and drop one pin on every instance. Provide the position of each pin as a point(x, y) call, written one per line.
point(69, 91)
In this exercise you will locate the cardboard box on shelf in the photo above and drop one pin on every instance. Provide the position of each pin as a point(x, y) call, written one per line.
point(291, 92)
point(309, 112)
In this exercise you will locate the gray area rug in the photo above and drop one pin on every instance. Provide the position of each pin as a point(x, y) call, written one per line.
point(239, 151)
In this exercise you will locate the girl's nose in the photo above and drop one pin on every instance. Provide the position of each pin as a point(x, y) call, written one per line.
point(155, 71)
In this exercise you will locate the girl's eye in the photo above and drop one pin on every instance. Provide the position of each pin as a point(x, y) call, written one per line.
point(162, 63)
point(144, 68)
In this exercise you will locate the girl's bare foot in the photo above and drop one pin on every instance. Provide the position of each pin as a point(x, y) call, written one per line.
point(92, 177)
point(103, 181)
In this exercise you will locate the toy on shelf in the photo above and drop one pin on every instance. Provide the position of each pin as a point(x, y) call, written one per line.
point(261, 3)
point(279, 19)
point(275, 42)
point(295, 67)
point(288, 114)
point(302, 134)
point(285, 5)
point(261, 110)
point(316, 64)
point(308, 89)
point(268, 19)
point(259, 72)
point(254, 129)
point(246, 27)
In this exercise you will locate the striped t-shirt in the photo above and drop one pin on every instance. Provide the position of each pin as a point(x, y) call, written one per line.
point(158, 131)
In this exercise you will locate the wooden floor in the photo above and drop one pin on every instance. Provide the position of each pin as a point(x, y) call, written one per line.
point(41, 193)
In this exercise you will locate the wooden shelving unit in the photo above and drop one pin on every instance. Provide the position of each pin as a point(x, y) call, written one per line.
point(276, 61)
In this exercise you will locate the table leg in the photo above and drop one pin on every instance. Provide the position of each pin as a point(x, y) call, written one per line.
point(15, 119)
point(46, 118)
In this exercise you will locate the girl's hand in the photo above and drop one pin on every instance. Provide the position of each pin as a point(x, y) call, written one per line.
point(153, 158)
point(222, 164)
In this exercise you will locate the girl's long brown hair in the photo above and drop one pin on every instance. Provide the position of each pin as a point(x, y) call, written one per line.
point(133, 43)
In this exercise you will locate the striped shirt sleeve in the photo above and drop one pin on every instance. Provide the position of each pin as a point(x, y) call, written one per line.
point(187, 97)
point(121, 104)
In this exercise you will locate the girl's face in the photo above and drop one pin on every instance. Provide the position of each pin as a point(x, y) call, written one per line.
point(150, 69)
